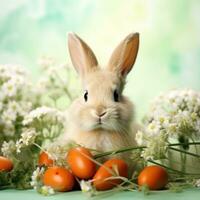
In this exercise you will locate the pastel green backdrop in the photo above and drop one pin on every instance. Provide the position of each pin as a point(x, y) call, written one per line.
point(169, 53)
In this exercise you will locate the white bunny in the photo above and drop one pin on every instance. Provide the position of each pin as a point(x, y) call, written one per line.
point(102, 117)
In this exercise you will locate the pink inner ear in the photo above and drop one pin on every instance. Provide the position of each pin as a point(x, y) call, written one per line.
point(129, 57)
point(124, 56)
point(82, 56)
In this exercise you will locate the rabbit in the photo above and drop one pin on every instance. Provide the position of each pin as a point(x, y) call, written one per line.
point(102, 118)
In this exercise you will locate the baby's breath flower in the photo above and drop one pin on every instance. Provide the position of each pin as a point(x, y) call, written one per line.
point(43, 111)
point(154, 128)
point(25, 122)
point(55, 82)
point(49, 122)
point(173, 116)
point(8, 148)
point(157, 147)
point(17, 98)
point(176, 113)
point(13, 106)
point(9, 88)
point(46, 62)
point(36, 177)
point(19, 145)
point(9, 129)
point(8, 116)
point(86, 186)
point(197, 183)
point(27, 137)
point(140, 138)
point(46, 190)
point(58, 151)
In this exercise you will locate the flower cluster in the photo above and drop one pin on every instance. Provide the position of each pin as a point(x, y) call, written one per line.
point(16, 100)
point(27, 111)
point(27, 137)
point(36, 177)
point(197, 183)
point(58, 151)
point(48, 122)
point(174, 116)
point(8, 148)
point(37, 184)
point(176, 113)
point(156, 147)
point(18, 97)
point(40, 127)
point(56, 83)
point(31, 116)
point(87, 188)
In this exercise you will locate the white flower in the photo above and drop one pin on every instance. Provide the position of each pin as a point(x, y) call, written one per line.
point(157, 147)
point(86, 186)
point(9, 129)
point(154, 128)
point(46, 62)
point(58, 150)
point(8, 116)
point(27, 137)
point(139, 137)
point(19, 81)
point(9, 88)
point(49, 121)
point(47, 190)
point(172, 116)
point(13, 106)
point(176, 113)
point(197, 183)
point(8, 148)
point(43, 84)
point(16, 98)
point(36, 177)
point(52, 71)
point(25, 106)
point(41, 112)
point(19, 145)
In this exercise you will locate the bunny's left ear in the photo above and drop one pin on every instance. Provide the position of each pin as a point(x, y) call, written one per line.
point(82, 56)
point(124, 56)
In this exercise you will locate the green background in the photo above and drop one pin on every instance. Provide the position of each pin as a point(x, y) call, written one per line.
point(169, 54)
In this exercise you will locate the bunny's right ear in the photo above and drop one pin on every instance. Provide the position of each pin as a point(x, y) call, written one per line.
point(124, 55)
point(82, 56)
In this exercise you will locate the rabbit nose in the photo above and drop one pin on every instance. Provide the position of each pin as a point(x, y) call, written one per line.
point(100, 111)
point(102, 114)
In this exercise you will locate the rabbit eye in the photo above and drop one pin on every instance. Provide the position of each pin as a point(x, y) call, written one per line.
point(116, 96)
point(86, 95)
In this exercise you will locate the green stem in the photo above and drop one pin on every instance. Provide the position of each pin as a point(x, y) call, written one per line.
point(118, 151)
point(180, 144)
point(65, 88)
point(185, 152)
point(170, 169)
point(135, 148)
point(39, 147)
